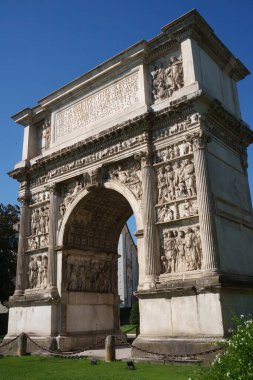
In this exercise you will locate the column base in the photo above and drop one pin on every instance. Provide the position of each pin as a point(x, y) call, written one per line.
point(22, 298)
point(64, 343)
point(38, 345)
point(185, 314)
point(86, 341)
point(18, 293)
point(174, 349)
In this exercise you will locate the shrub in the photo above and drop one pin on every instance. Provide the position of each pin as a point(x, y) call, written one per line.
point(236, 362)
point(134, 318)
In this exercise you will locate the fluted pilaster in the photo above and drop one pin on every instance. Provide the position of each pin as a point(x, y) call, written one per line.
point(151, 236)
point(52, 237)
point(23, 232)
point(205, 202)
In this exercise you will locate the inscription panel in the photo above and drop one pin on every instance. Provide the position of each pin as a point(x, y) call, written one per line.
point(106, 102)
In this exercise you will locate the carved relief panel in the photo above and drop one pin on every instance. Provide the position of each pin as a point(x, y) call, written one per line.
point(81, 161)
point(174, 129)
point(167, 76)
point(182, 249)
point(39, 221)
point(177, 208)
point(37, 271)
point(91, 274)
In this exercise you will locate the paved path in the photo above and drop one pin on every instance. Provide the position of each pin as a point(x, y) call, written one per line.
point(122, 353)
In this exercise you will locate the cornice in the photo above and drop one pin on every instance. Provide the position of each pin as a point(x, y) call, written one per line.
point(219, 116)
point(190, 25)
point(224, 125)
point(20, 174)
point(176, 112)
point(193, 25)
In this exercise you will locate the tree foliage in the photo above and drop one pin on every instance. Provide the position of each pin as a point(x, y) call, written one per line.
point(9, 216)
point(236, 362)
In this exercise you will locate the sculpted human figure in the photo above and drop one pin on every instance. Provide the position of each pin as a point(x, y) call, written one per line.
point(72, 285)
point(175, 73)
point(190, 249)
point(177, 177)
point(33, 272)
point(170, 251)
point(40, 272)
point(42, 221)
point(169, 215)
point(120, 174)
point(88, 275)
point(158, 83)
point(34, 243)
point(176, 151)
point(165, 155)
point(180, 244)
point(62, 209)
point(44, 266)
point(189, 176)
point(72, 193)
point(30, 272)
point(162, 213)
point(46, 135)
point(81, 279)
point(181, 187)
point(108, 278)
point(162, 185)
point(171, 152)
point(186, 147)
point(198, 248)
point(170, 183)
point(188, 209)
point(35, 222)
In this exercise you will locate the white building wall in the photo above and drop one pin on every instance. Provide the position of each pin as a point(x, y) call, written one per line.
point(127, 268)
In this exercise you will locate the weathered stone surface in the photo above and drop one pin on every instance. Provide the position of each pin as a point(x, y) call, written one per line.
point(156, 131)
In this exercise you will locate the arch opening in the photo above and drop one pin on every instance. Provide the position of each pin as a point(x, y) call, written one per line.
point(89, 290)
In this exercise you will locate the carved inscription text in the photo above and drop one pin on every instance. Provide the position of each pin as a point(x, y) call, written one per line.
point(106, 102)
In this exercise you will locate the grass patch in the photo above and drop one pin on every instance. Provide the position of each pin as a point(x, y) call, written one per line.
point(41, 368)
point(131, 329)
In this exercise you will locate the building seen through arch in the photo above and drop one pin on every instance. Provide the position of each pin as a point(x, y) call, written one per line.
point(127, 268)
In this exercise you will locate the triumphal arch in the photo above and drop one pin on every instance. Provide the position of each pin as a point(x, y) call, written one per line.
point(156, 132)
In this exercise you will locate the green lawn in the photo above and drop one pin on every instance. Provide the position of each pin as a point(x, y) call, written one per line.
point(129, 328)
point(38, 368)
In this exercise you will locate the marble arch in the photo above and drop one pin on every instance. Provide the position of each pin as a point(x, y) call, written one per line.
point(157, 129)
point(113, 185)
point(88, 258)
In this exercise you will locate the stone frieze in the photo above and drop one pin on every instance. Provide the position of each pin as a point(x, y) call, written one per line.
point(103, 103)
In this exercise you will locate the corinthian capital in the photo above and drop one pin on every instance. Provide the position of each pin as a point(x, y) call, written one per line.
point(53, 188)
point(144, 157)
point(199, 139)
point(24, 200)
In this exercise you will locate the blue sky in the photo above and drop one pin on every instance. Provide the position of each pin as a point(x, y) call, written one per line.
point(45, 44)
